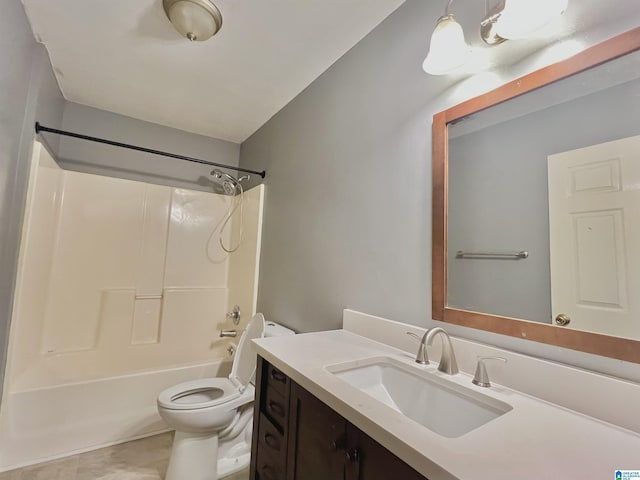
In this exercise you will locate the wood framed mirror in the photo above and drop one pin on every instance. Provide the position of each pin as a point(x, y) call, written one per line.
point(450, 308)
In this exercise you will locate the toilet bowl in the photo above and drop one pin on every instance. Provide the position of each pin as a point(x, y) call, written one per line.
point(213, 417)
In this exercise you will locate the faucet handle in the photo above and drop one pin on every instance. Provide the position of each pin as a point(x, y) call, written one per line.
point(421, 357)
point(481, 378)
point(234, 315)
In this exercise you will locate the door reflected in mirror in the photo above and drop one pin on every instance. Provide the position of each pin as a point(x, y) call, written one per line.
point(594, 237)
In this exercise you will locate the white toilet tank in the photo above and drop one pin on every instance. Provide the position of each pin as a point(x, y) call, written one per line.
point(273, 329)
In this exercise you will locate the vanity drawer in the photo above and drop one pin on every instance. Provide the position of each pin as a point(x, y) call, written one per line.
point(277, 380)
point(272, 452)
point(276, 407)
point(271, 443)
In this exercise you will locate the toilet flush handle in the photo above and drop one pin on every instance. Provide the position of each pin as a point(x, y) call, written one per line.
point(228, 333)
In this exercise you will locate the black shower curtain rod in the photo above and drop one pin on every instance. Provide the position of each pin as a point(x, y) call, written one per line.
point(42, 128)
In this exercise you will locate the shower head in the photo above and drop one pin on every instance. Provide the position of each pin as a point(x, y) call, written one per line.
point(225, 182)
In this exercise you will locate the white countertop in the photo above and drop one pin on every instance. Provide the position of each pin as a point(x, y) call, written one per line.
point(534, 441)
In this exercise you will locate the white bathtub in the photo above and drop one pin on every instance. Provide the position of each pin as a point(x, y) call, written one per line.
point(48, 423)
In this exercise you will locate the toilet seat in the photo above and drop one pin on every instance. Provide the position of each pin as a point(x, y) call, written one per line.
point(196, 394)
point(209, 392)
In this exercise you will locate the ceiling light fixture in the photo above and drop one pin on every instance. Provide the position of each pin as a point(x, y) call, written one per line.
point(197, 20)
point(448, 49)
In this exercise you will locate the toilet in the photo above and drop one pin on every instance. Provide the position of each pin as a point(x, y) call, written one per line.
point(213, 417)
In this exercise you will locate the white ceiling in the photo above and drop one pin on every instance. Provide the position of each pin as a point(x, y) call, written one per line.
point(125, 57)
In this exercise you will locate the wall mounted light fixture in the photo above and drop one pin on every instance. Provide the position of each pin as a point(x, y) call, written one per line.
point(448, 49)
point(197, 20)
point(507, 19)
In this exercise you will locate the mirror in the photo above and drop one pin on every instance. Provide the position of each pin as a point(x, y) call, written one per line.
point(536, 198)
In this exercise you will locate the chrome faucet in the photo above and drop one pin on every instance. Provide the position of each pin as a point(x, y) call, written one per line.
point(448, 362)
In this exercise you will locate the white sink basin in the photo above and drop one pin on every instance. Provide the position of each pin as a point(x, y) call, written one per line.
point(443, 407)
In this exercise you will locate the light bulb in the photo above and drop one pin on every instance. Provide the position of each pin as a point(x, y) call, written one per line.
point(520, 18)
point(448, 49)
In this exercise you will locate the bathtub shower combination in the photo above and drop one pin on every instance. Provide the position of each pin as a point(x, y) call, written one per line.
point(120, 294)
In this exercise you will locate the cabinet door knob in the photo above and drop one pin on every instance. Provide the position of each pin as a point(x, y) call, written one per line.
point(563, 320)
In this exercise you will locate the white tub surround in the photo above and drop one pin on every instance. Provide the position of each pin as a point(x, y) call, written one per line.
point(118, 276)
point(534, 440)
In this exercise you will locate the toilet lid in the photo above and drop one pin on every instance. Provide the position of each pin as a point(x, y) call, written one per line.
point(244, 364)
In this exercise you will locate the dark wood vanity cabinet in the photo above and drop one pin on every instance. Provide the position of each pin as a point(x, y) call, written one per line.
point(298, 437)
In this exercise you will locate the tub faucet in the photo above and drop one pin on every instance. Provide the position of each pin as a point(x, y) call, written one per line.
point(448, 362)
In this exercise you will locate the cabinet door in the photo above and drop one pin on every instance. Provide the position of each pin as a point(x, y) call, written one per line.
point(317, 439)
point(368, 460)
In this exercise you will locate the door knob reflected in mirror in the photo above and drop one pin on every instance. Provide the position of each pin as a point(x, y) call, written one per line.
point(563, 320)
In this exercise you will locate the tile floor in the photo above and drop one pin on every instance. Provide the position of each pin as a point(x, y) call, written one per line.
point(144, 459)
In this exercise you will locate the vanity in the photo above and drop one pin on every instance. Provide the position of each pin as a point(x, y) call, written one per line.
point(320, 417)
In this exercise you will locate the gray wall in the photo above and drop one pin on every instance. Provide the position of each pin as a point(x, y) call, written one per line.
point(28, 90)
point(100, 159)
point(348, 193)
point(348, 185)
point(498, 196)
